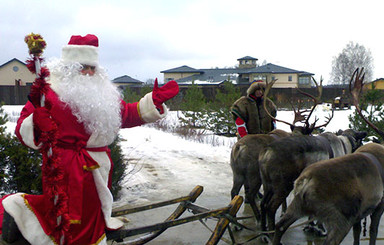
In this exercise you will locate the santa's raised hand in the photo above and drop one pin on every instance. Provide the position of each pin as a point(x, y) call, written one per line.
point(164, 93)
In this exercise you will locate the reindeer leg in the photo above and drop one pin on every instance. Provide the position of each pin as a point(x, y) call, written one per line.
point(253, 182)
point(292, 214)
point(281, 227)
point(276, 200)
point(356, 233)
point(263, 207)
point(375, 220)
point(338, 227)
point(284, 207)
point(238, 182)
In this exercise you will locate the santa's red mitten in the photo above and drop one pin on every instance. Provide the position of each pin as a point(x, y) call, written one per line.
point(164, 93)
point(42, 119)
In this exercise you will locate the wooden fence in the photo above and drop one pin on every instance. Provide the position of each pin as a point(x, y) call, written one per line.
point(18, 95)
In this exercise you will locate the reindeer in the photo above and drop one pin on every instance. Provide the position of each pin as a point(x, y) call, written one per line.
point(245, 164)
point(244, 159)
point(341, 191)
point(281, 162)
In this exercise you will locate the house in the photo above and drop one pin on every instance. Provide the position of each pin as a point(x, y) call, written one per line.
point(15, 82)
point(15, 70)
point(376, 84)
point(246, 72)
point(127, 81)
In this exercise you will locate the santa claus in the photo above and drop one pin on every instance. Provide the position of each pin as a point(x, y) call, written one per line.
point(87, 111)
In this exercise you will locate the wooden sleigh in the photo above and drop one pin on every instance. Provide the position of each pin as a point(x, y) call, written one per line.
point(224, 216)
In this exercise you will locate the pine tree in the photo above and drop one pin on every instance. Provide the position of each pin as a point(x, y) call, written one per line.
point(219, 118)
point(19, 165)
point(130, 96)
point(193, 107)
point(119, 165)
point(371, 105)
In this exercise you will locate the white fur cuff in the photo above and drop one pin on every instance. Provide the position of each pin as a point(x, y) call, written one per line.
point(26, 132)
point(148, 111)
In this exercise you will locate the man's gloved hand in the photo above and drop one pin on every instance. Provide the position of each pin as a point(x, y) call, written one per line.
point(164, 93)
point(42, 119)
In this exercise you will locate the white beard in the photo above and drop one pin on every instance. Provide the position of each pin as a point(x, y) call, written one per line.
point(94, 100)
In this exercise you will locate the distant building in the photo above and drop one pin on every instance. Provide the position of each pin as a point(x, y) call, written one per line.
point(15, 82)
point(127, 81)
point(377, 84)
point(246, 72)
point(15, 71)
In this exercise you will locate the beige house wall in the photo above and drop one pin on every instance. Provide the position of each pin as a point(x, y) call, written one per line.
point(8, 75)
point(282, 79)
point(175, 76)
point(378, 85)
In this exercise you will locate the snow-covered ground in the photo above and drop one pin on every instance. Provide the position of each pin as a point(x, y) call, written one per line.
point(164, 166)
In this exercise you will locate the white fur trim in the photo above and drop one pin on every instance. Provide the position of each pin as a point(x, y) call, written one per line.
point(26, 220)
point(100, 176)
point(148, 111)
point(84, 54)
point(26, 132)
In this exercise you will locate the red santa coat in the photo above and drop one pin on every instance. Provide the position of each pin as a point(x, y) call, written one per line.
point(87, 168)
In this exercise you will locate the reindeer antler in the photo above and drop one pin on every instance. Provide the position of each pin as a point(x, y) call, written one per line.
point(298, 116)
point(358, 77)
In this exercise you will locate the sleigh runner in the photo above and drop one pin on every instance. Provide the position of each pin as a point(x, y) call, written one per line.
point(224, 216)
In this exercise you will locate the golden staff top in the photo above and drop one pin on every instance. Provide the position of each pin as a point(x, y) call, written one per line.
point(36, 44)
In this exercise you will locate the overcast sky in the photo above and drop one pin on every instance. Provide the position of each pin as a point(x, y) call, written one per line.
point(140, 38)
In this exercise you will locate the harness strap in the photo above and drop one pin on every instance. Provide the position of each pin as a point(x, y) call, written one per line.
point(352, 141)
point(375, 161)
point(327, 145)
point(275, 136)
point(344, 147)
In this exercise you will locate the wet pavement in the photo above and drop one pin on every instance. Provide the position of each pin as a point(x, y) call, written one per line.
point(197, 233)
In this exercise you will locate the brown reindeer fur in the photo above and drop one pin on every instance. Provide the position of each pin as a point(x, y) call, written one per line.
point(245, 164)
point(339, 192)
point(282, 161)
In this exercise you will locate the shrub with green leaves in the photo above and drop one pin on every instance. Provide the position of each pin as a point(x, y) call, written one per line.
point(371, 105)
point(119, 167)
point(193, 107)
point(219, 119)
point(19, 165)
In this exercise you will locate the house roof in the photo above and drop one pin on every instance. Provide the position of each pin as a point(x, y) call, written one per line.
point(271, 68)
point(126, 79)
point(14, 59)
point(247, 58)
point(181, 69)
point(219, 75)
point(211, 76)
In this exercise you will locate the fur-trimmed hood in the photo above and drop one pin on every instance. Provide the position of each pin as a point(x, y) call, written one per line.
point(259, 84)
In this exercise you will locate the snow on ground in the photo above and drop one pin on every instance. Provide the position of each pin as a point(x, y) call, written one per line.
point(164, 166)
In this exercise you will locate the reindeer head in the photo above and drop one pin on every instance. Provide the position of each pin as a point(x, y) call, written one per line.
point(300, 114)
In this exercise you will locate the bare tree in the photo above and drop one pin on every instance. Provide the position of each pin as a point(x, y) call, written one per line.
point(353, 55)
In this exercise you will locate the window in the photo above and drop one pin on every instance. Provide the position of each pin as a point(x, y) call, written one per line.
point(15, 69)
point(260, 77)
point(273, 78)
point(304, 80)
point(290, 78)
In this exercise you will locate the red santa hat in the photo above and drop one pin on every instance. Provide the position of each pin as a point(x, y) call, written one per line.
point(82, 49)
